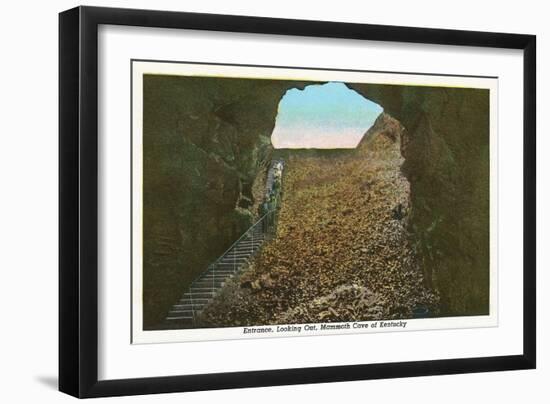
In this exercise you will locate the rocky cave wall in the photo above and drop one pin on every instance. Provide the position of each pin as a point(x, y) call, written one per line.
point(206, 140)
point(446, 150)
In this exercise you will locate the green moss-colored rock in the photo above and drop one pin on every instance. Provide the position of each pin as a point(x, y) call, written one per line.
point(207, 139)
point(446, 152)
point(204, 142)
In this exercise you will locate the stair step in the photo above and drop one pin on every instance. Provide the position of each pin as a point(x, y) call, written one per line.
point(197, 295)
point(230, 262)
point(215, 274)
point(226, 269)
point(255, 243)
point(176, 309)
point(206, 284)
point(179, 318)
point(193, 291)
point(176, 312)
point(235, 258)
point(244, 247)
point(241, 254)
point(195, 301)
point(245, 253)
point(213, 278)
point(217, 270)
point(189, 306)
point(229, 266)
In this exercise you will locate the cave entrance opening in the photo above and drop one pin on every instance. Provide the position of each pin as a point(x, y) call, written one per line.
point(323, 116)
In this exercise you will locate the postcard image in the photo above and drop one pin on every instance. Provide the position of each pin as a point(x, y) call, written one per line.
point(277, 202)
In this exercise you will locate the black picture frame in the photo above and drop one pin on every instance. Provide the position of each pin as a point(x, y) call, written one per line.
point(78, 200)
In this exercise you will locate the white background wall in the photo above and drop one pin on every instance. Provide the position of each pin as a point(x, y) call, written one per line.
point(28, 202)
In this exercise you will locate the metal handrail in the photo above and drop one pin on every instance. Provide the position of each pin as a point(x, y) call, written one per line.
point(247, 231)
point(223, 256)
point(239, 239)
